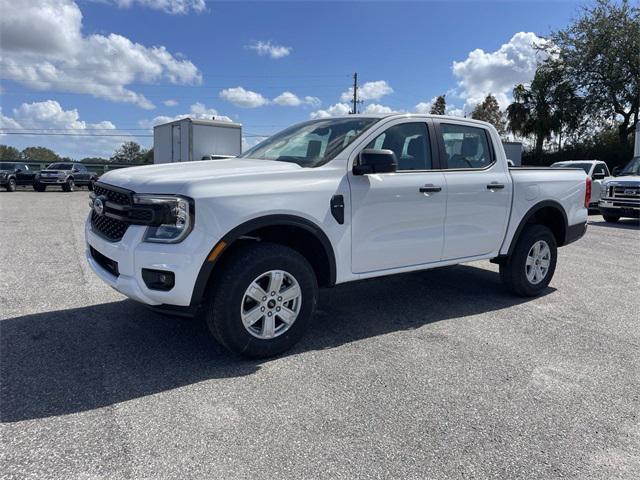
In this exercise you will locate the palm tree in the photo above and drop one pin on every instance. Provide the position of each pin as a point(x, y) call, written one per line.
point(549, 105)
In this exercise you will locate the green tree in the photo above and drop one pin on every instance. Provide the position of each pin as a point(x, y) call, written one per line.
point(8, 153)
point(439, 106)
point(40, 153)
point(600, 50)
point(489, 111)
point(530, 113)
point(129, 152)
point(147, 156)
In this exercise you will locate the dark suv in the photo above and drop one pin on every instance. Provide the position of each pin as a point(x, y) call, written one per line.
point(13, 174)
point(65, 175)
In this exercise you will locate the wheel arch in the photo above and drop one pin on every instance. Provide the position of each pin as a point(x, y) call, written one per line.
point(548, 213)
point(299, 233)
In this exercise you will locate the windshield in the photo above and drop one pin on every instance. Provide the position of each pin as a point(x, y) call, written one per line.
point(311, 144)
point(585, 166)
point(60, 166)
point(7, 166)
point(632, 168)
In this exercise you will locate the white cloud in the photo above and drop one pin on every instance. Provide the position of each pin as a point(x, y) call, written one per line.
point(240, 97)
point(54, 54)
point(197, 111)
point(272, 50)
point(49, 117)
point(288, 99)
point(170, 103)
point(174, 7)
point(377, 108)
point(368, 91)
point(498, 72)
point(332, 111)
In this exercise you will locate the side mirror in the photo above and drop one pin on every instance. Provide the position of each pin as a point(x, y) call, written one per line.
point(510, 163)
point(616, 171)
point(17, 170)
point(375, 161)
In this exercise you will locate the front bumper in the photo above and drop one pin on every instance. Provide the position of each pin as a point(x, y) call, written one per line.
point(132, 255)
point(51, 180)
point(616, 208)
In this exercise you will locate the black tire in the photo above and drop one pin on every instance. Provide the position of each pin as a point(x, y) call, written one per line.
point(225, 299)
point(11, 185)
point(38, 187)
point(69, 185)
point(610, 218)
point(513, 270)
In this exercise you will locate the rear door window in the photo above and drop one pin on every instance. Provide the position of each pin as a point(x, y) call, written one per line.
point(466, 147)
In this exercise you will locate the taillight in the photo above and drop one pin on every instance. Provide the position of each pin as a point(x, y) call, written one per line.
point(587, 193)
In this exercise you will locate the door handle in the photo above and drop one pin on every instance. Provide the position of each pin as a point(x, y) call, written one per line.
point(430, 188)
point(495, 186)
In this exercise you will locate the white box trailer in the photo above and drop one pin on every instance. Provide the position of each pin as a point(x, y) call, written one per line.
point(191, 139)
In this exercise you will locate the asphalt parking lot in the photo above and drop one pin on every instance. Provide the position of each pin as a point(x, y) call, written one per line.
point(438, 374)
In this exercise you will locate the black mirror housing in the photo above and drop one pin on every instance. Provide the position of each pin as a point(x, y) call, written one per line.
point(616, 171)
point(373, 161)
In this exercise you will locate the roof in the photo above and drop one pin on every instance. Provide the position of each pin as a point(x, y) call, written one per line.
point(201, 121)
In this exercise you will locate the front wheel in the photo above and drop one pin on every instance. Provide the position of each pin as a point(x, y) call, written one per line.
point(263, 300)
point(11, 185)
point(611, 218)
point(69, 185)
point(531, 266)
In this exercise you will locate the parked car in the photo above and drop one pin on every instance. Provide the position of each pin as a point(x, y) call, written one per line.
point(13, 174)
point(67, 175)
point(621, 195)
point(596, 169)
point(250, 240)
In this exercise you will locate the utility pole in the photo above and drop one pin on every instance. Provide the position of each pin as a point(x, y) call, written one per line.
point(355, 101)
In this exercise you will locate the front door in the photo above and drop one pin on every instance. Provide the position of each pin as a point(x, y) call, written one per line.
point(398, 218)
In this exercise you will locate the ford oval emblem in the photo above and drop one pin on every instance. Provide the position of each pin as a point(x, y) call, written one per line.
point(98, 206)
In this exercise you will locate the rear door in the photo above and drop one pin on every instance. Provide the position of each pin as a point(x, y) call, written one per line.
point(478, 190)
point(398, 218)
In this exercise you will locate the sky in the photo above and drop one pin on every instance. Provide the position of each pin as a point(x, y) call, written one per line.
point(114, 68)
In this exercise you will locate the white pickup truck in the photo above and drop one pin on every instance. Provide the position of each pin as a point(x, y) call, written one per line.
point(248, 241)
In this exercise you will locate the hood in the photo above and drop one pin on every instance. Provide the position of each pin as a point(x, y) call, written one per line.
point(173, 177)
point(631, 180)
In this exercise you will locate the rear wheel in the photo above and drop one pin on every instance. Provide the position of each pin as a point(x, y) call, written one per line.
point(610, 218)
point(69, 185)
point(531, 266)
point(11, 185)
point(263, 300)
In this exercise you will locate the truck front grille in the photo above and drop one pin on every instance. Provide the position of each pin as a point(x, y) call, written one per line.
point(111, 229)
point(621, 191)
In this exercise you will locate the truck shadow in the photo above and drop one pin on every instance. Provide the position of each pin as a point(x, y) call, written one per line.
point(70, 361)
point(623, 223)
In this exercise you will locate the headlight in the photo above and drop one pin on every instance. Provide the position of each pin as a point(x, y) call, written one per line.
point(177, 218)
point(604, 188)
point(3, 175)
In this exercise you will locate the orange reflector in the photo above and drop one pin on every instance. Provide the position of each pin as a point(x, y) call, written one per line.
point(217, 250)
